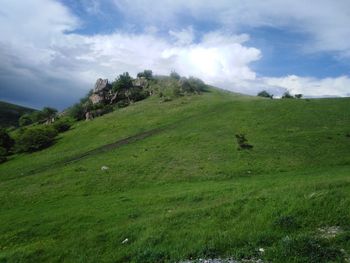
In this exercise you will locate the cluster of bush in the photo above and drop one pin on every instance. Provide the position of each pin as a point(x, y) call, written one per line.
point(176, 86)
point(286, 95)
point(45, 115)
point(31, 138)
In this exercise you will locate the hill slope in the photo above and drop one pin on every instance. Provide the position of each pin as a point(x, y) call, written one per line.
point(176, 186)
point(10, 113)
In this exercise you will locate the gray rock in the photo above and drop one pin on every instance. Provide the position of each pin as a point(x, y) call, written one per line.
point(97, 98)
point(141, 82)
point(101, 92)
point(104, 168)
point(102, 85)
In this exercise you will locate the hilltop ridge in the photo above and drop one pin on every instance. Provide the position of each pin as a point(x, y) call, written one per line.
point(10, 113)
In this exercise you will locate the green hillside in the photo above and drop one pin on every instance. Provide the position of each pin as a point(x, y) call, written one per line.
point(166, 182)
point(10, 113)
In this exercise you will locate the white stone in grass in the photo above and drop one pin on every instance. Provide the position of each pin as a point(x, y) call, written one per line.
point(261, 250)
point(104, 168)
point(126, 240)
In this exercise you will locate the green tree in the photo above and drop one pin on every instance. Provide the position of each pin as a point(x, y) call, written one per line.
point(175, 75)
point(48, 113)
point(287, 95)
point(25, 120)
point(123, 82)
point(77, 111)
point(298, 96)
point(265, 94)
point(63, 124)
point(148, 74)
point(37, 116)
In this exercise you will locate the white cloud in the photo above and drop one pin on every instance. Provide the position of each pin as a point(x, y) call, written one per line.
point(184, 36)
point(312, 87)
point(42, 50)
point(325, 22)
point(36, 49)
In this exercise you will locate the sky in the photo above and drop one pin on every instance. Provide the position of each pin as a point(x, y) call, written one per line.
point(52, 51)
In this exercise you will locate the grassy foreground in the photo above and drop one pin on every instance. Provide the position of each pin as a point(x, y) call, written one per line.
point(186, 191)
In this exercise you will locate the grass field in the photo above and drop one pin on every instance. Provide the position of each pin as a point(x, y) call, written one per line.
point(185, 190)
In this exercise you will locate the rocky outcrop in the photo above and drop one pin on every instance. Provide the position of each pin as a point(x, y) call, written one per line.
point(141, 82)
point(101, 92)
point(102, 85)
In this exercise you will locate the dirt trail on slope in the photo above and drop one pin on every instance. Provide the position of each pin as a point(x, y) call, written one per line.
point(100, 149)
point(114, 145)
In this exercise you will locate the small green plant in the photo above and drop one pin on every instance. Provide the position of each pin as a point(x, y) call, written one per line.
point(307, 249)
point(243, 142)
point(287, 222)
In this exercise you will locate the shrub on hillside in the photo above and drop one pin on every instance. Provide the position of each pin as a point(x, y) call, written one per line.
point(3, 154)
point(192, 85)
point(6, 141)
point(122, 104)
point(63, 124)
point(147, 74)
point(123, 82)
point(175, 75)
point(287, 95)
point(265, 94)
point(46, 114)
point(77, 111)
point(25, 120)
point(35, 138)
point(135, 94)
point(49, 113)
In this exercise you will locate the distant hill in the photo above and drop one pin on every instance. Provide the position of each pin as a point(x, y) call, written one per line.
point(10, 113)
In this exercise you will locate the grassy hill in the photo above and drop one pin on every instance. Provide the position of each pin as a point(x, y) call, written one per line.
point(176, 187)
point(10, 113)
